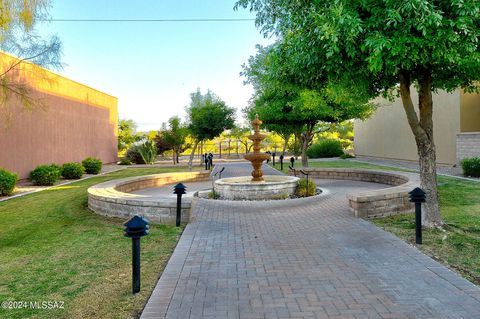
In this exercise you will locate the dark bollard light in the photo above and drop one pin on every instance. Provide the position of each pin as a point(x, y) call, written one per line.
point(136, 228)
point(179, 189)
point(292, 161)
point(306, 174)
point(273, 158)
point(281, 162)
point(417, 196)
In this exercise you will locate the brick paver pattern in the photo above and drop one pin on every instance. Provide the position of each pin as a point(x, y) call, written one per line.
point(276, 260)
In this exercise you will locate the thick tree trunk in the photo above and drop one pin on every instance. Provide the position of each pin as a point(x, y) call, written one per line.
point(305, 140)
point(304, 152)
point(285, 144)
point(190, 161)
point(423, 132)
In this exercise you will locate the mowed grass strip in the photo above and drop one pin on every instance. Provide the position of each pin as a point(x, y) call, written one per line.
point(457, 244)
point(52, 248)
point(339, 163)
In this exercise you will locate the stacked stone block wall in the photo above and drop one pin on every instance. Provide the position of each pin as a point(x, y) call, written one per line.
point(113, 198)
point(377, 203)
point(468, 145)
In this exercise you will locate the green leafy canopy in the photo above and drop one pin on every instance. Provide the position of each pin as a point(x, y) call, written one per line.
point(373, 41)
point(208, 116)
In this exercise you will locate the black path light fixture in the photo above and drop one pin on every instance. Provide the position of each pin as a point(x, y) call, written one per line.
point(135, 228)
point(292, 161)
point(293, 170)
point(306, 174)
point(179, 189)
point(220, 173)
point(273, 158)
point(281, 162)
point(417, 196)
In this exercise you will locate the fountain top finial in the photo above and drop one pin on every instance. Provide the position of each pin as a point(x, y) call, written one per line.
point(256, 122)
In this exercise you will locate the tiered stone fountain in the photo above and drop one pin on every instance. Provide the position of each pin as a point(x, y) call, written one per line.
point(259, 187)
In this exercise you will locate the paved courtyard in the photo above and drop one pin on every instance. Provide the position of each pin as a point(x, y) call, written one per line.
point(314, 260)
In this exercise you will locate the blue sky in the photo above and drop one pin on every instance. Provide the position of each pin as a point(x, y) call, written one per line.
point(152, 67)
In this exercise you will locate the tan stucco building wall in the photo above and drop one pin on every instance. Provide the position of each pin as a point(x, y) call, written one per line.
point(387, 133)
point(73, 122)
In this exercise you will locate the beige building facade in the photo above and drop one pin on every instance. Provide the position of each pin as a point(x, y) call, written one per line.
point(456, 119)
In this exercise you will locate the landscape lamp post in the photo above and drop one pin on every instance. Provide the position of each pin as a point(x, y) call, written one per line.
point(179, 189)
point(273, 158)
point(136, 228)
point(417, 196)
point(281, 162)
point(292, 161)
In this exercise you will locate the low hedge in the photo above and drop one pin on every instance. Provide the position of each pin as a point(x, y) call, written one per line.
point(92, 165)
point(72, 170)
point(45, 175)
point(8, 180)
point(325, 148)
point(471, 166)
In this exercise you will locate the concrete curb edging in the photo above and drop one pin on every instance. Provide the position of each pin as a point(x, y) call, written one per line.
point(376, 203)
point(113, 199)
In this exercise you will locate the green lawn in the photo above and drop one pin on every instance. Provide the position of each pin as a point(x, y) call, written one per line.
point(457, 245)
point(53, 248)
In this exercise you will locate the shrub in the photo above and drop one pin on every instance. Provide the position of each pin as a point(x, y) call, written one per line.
point(346, 155)
point(133, 155)
point(471, 166)
point(92, 165)
point(303, 190)
point(213, 195)
point(148, 152)
point(7, 182)
point(72, 170)
point(125, 161)
point(325, 148)
point(45, 175)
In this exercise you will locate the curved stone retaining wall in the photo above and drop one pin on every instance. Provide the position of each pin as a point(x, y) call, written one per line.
point(113, 199)
point(375, 203)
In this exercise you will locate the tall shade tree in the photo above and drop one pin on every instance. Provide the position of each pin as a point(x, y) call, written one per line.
point(208, 117)
point(390, 45)
point(287, 106)
point(18, 19)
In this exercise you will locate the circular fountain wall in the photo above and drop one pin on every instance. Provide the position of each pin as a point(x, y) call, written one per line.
point(242, 188)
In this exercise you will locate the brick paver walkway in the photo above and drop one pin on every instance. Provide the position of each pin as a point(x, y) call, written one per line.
point(283, 260)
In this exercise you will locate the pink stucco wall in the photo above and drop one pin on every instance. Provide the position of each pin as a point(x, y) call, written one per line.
point(66, 130)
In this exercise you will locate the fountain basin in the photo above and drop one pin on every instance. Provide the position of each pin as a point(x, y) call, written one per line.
point(242, 188)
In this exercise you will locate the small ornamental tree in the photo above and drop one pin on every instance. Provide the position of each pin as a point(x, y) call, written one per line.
point(127, 134)
point(208, 117)
point(172, 138)
point(388, 45)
